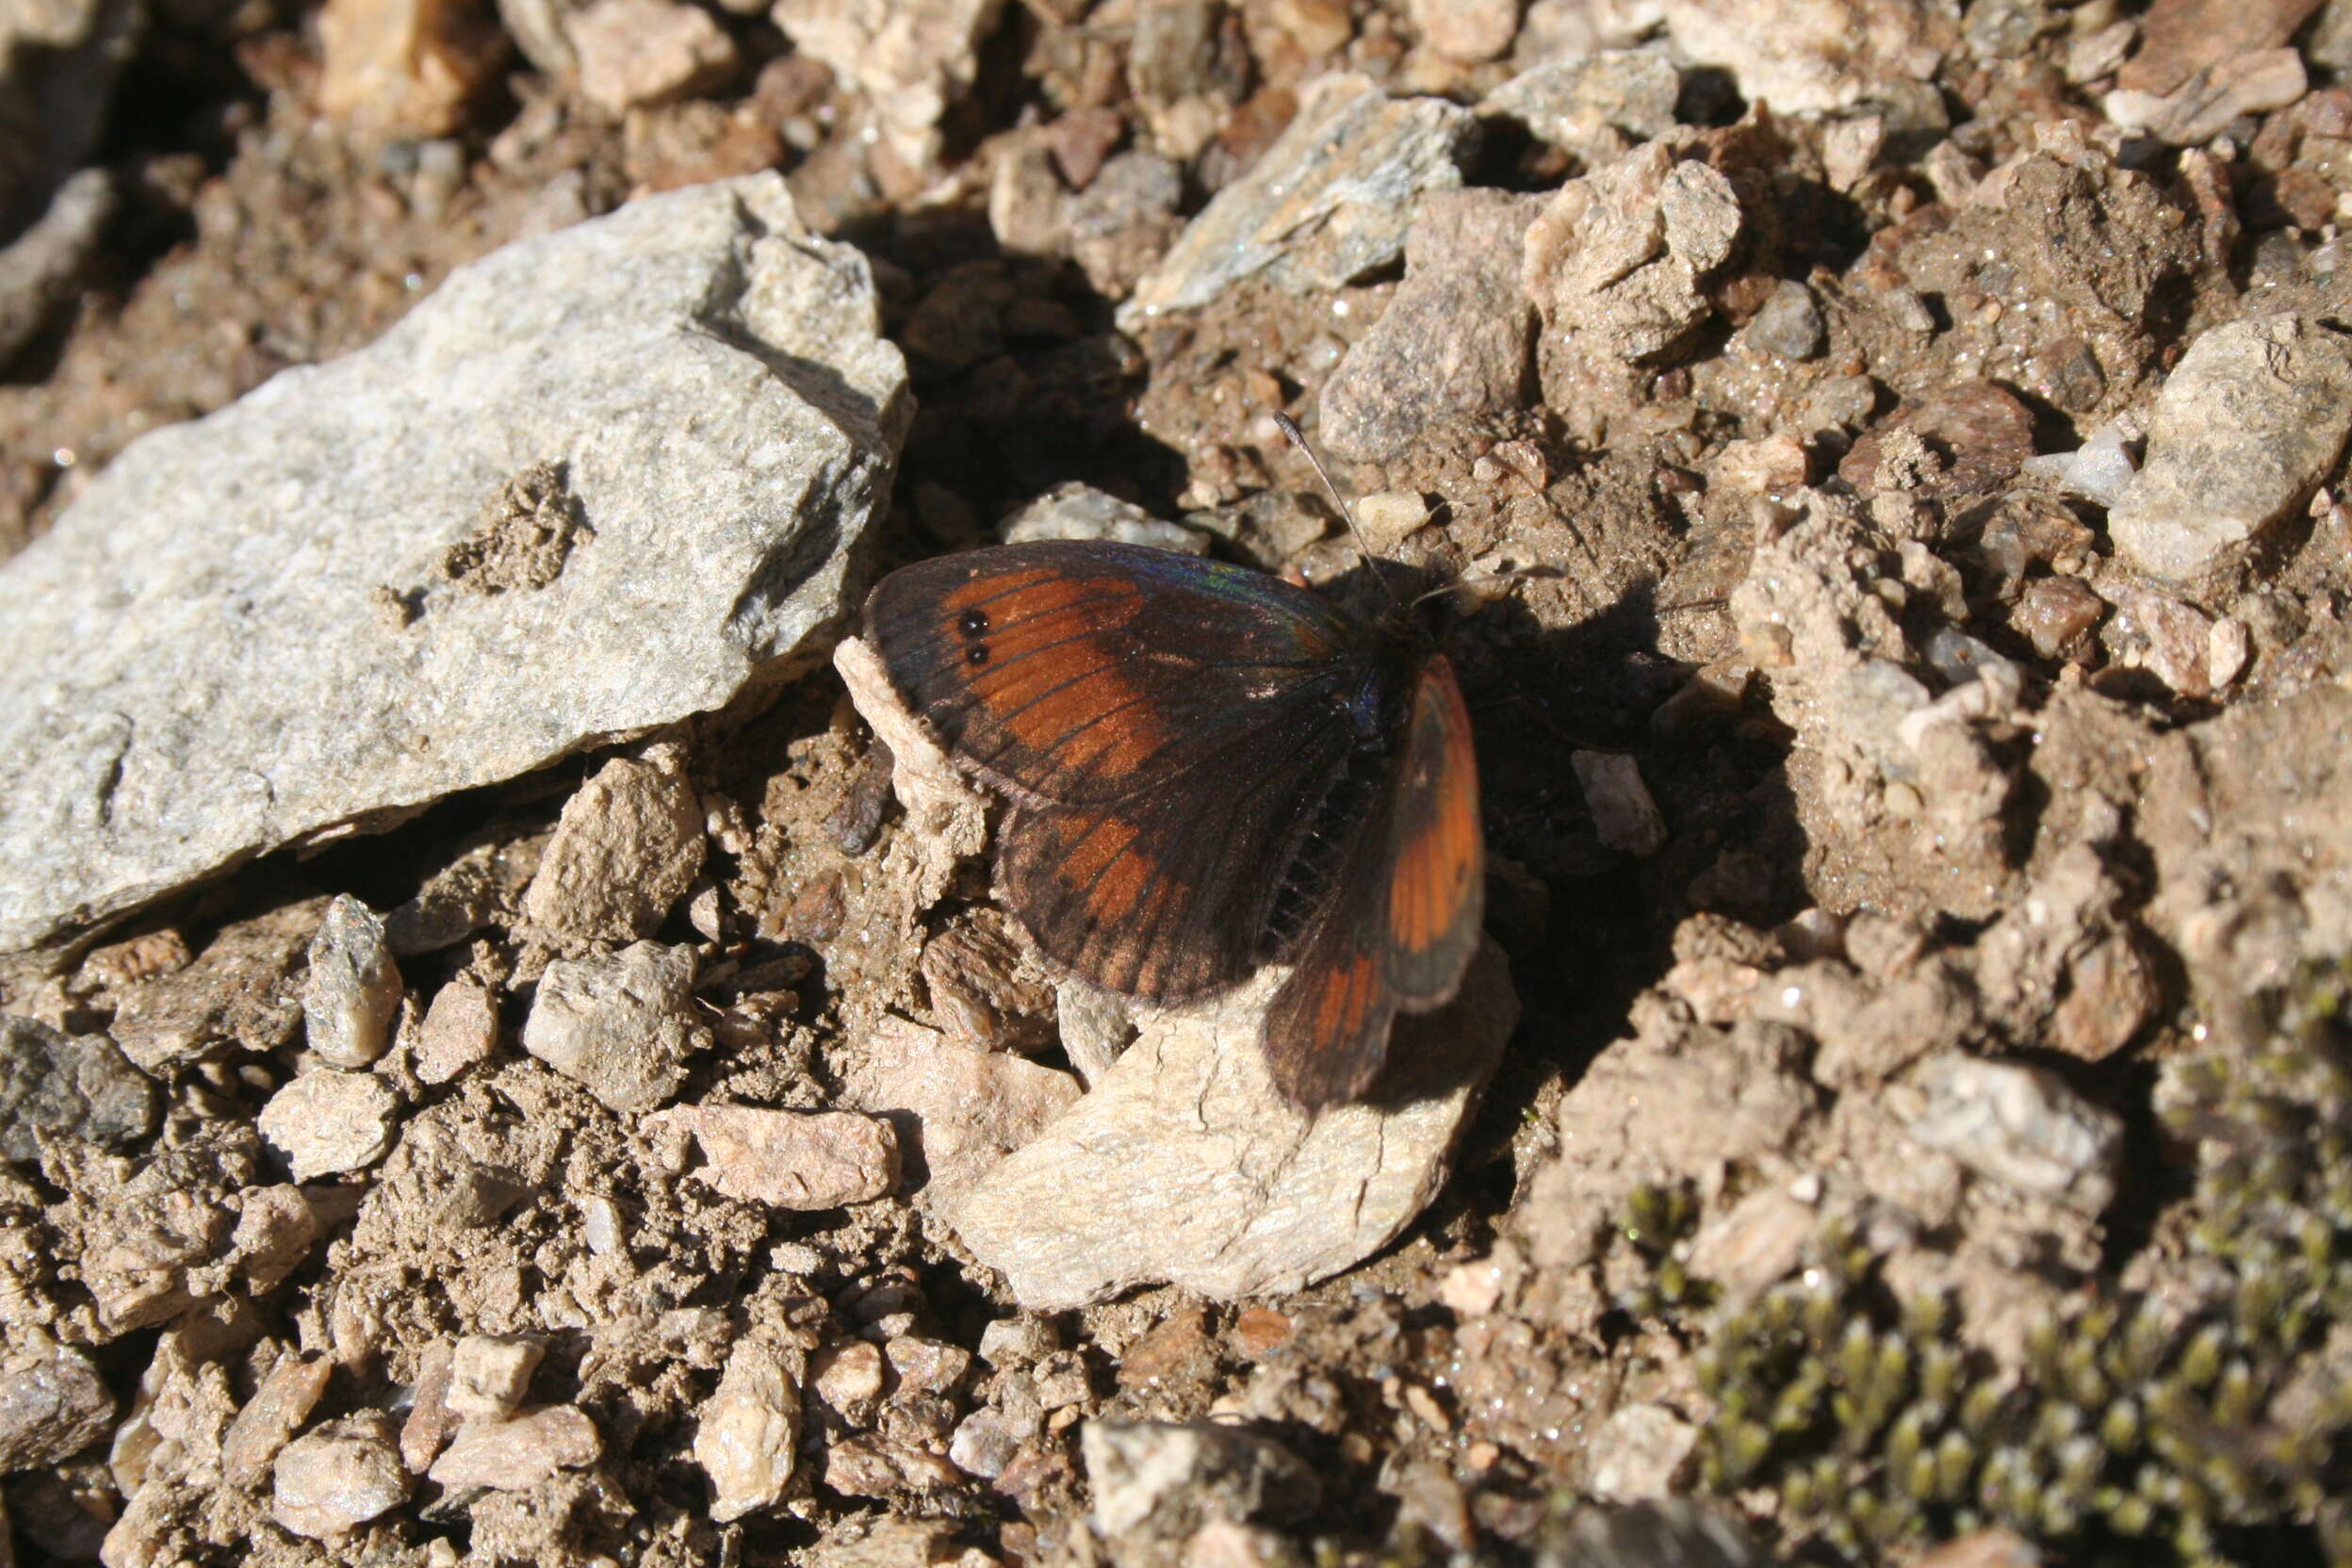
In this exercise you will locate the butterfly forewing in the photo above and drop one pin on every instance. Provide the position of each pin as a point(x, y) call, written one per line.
point(1076, 674)
point(1166, 727)
point(1404, 919)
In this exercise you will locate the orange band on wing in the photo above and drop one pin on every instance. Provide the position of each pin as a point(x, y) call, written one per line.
point(1044, 663)
point(1343, 1001)
point(1440, 857)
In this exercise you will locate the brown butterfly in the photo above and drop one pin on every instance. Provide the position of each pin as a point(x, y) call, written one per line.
point(1209, 770)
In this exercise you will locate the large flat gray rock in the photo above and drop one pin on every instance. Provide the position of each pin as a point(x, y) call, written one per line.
point(600, 481)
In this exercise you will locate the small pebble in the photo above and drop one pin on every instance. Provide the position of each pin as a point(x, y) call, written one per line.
point(68, 1085)
point(517, 1455)
point(489, 1375)
point(849, 1378)
point(460, 1030)
point(277, 1410)
point(331, 1481)
point(790, 1159)
point(748, 1433)
point(1623, 815)
point(326, 1122)
point(352, 991)
point(51, 1409)
point(1789, 325)
point(619, 1024)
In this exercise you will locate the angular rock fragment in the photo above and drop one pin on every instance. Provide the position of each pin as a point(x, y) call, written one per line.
point(326, 1122)
point(709, 379)
point(1641, 1452)
point(352, 990)
point(1789, 325)
point(270, 1418)
point(848, 1377)
point(967, 1109)
point(789, 1159)
point(619, 1024)
point(67, 1086)
point(460, 1029)
point(1186, 74)
point(2251, 420)
point(1120, 227)
point(275, 1228)
point(986, 987)
point(2203, 107)
point(1624, 817)
point(2181, 37)
point(878, 1466)
point(53, 1405)
point(1465, 29)
point(748, 1433)
point(331, 1481)
point(642, 54)
point(519, 1454)
point(912, 62)
point(1166, 1479)
point(404, 67)
point(238, 991)
point(1452, 347)
point(1813, 57)
point(1079, 511)
point(2113, 991)
point(431, 1422)
point(1588, 103)
point(984, 1445)
point(1615, 259)
point(489, 1374)
point(628, 846)
point(1222, 1188)
point(2022, 1127)
point(1327, 203)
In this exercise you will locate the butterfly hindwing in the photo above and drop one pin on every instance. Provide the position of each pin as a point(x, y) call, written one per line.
point(1167, 896)
point(1405, 917)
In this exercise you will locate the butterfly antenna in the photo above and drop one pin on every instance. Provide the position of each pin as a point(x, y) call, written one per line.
point(1289, 427)
point(1494, 579)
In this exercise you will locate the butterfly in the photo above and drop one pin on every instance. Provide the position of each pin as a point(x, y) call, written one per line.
point(1208, 770)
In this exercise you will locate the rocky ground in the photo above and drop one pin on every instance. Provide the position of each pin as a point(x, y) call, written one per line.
point(509, 1056)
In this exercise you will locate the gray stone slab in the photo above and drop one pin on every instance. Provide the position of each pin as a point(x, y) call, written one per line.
point(600, 481)
point(1327, 203)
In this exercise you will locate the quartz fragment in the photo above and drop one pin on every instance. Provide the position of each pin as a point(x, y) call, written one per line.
point(749, 1433)
point(326, 1122)
point(352, 990)
point(620, 1025)
point(789, 1159)
point(2253, 417)
point(331, 1481)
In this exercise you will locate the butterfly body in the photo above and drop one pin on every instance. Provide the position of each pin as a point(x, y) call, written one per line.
point(1209, 770)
